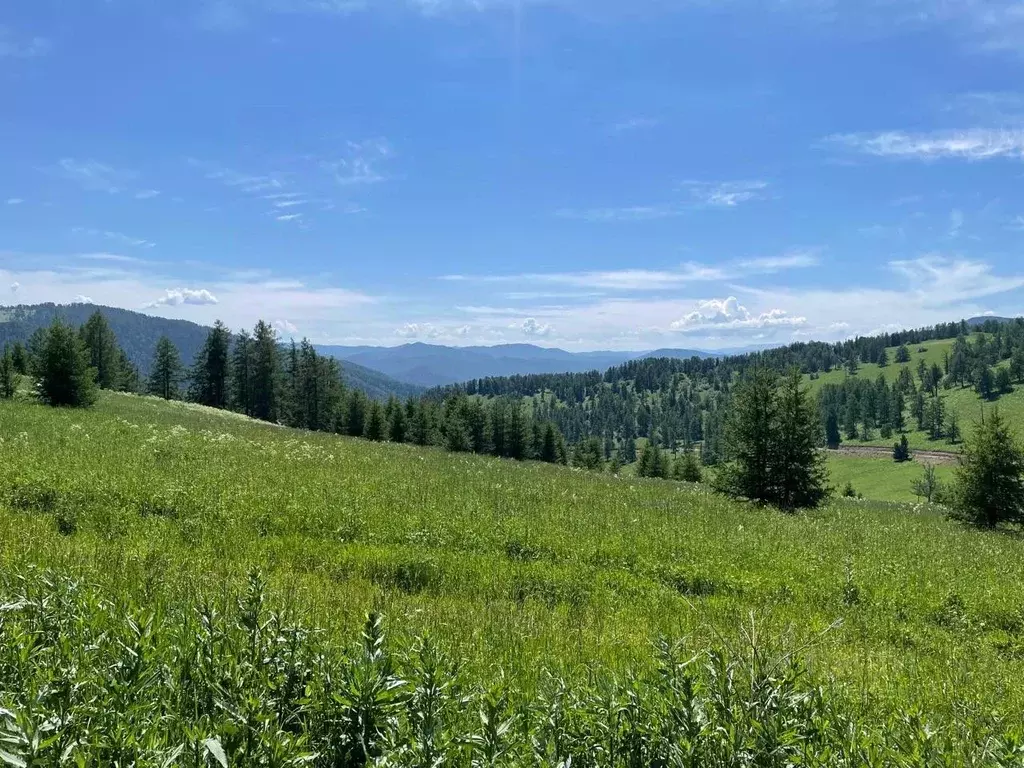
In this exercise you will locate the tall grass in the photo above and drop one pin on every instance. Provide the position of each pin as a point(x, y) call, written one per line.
point(520, 575)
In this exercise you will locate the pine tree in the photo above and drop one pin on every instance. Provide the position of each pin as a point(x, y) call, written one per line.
point(1017, 365)
point(799, 467)
point(129, 377)
point(832, 437)
point(652, 462)
point(751, 447)
point(101, 346)
point(517, 440)
point(356, 411)
point(883, 358)
point(902, 354)
point(989, 484)
point(850, 414)
point(986, 382)
point(265, 384)
point(953, 432)
point(241, 374)
point(20, 358)
point(166, 375)
point(8, 375)
point(60, 366)
point(398, 425)
point(1004, 381)
point(209, 385)
point(901, 451)
point(687, 468)
point(589, 454)
point(375, 425)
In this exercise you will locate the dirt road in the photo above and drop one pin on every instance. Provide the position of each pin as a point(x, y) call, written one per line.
point(873, 452)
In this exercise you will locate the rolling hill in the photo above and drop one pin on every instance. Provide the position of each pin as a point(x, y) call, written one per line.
point(138, 333)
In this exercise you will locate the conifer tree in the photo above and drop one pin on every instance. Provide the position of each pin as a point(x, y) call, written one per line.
point(589, 454)
point(398, 425)
point(375, 422)
point(901, 450)
point(101, 345)
point(8, 375)
point(166, 374)
point(902, 354)
point(241, 374)
point(265, 384)
point(209, 379)
point(832, 437)
point(989, 483)
point(687, 468)
point(356, 411)
point(19, 357)
point(799, 467)
point(60, 366)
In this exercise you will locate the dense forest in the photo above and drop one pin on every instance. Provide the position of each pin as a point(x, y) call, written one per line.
point(682, 403)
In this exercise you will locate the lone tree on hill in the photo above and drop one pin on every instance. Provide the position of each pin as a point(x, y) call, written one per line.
point(989, 484)
point(165, 379)
point(903, 354)
point(687, 468)
point(773, 437)
point(60, 365)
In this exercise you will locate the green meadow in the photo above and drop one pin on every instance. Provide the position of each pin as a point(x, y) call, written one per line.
point(521, 571)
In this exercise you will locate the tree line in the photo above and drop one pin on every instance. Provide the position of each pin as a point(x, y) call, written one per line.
point(256, 375)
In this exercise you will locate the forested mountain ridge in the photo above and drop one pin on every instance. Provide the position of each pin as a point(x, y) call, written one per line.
point(679, 403)
point(433, 365)
point(138, 333)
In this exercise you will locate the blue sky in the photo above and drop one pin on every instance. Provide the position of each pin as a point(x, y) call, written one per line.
point(585, 174)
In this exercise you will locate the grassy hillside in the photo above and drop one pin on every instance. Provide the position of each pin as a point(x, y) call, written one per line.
point(967, 404)
point(531, 568)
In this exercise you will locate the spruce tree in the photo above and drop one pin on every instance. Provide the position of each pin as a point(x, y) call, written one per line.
point(1004, 381)
point(989, 485)
point(687, 468)
point(588, 455)
point(375, 425)
point(241, 373)
point(397, 422)
point(986, 382)
point(101, 345)
point(19, 356)
point(1017, 365)
point(749, 437)
point(832, 437)
point(903, 354)
point(60, 366)
point(355, 414)
point(901, 451)
point(8, 375)
point(883, 358)
point(799, 467)
point(265, 384)
point(166, 374)
point(209, 385)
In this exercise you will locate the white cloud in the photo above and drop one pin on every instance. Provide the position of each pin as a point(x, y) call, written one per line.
point(18, 49)
point(633, 124)
point(628, 213)
point(419, 331)
point(93, 176)
point(285, 327)
point(360, 162)
point(80, 299)
point(147, 194)
point(729, 314)
point(14, 201)
point(647, 279)
point(15, 287)
point(289, 217)
point(725, 194)
point(971, 144)
point(177, 296)
point(530, 327)
point(116, 237)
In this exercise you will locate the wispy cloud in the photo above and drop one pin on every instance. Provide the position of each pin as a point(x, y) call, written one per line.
point(111, 257)
point(360, 162)
point(10, 47)
point(628, 213)
point(971, 144)
point(93, 176)
point(725, 194)
point(289, 217)
point(956, 222)
point(147, 194)
point(637, 280)
point(176, 297)
point(116, 237)
point(633, 124)
point(14, 201)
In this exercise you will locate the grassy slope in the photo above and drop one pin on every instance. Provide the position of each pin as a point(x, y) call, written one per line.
point(879, 478)
point(530, 566)
point(967, 404)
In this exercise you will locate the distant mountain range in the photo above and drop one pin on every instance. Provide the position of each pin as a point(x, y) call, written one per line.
point(138, 333)
point(432, 365)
